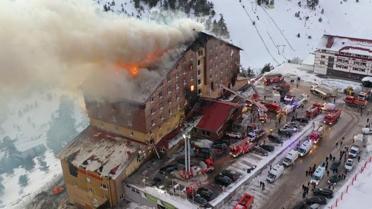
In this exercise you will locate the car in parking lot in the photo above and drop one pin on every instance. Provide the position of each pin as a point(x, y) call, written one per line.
point(259, 150)
point(354, 151)
point(223, 180)
point(275, 138)
point(285, 132)
point(168, 169)
point(316, 199)
point(301, 120)
point(334, 179)
point(313, 206)
point(267, 147)
point(349, 164)
point(233, 175)
point(205, 193)
point(323, 192)
point(200, 200)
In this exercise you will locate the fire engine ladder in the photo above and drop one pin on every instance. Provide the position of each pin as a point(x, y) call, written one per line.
point(259, 105)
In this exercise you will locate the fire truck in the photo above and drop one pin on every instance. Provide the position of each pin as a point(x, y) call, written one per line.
point(245, 202)
point(273, 78)
point(316, 135)
point(313, 111)
point(332, 117)
point(355, 101)
point(241, 147)
point(272, 106)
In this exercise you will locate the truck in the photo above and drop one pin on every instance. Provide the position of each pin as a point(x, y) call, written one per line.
point(274, 173)
point(290, 158)
point(245, 202)
point(273, 78)
point(317, 134)
point(241, 147)
point(313, 111)
point(272, 106)
point(305, 148)
point(332, 117)
point(356, 101)
point(320, 92)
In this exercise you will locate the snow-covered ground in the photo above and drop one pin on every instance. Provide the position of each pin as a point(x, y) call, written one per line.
point(27, 122)
point(279, 27)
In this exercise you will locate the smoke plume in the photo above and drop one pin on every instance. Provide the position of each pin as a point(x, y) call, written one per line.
point(62, 44)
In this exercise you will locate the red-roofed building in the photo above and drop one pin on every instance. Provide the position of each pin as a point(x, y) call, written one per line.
point(216, 115)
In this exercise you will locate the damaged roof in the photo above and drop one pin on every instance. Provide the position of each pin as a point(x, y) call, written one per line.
point(151, 78)
point(100, 152)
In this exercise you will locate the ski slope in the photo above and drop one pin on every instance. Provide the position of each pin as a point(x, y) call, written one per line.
point(277, 28)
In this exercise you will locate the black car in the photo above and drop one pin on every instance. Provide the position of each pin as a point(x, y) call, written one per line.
point(223, 180)
point(301, 120)
point(260, 151)
point(334, 179)
point(316, 199)
point(205, 193)
point(233, 175)
point(267, 147)
point(203, 153)
point(200, 200)
point(168, 169)
point(323, 192)
point(285, 132)
point(275, 139)
point(300, 205)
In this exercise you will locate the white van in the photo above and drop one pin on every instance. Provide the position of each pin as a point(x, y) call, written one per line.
point(317, 175)
point(305, 148)
point(290, 158)
point(275, 173)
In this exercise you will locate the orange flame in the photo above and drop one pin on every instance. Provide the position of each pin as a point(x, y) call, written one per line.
point(133, 68)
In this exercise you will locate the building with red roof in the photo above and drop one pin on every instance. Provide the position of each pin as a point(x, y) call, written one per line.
point(216, 116)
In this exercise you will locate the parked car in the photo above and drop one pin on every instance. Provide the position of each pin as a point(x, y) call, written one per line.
point(205, 193)
point(290, 158)
point(318, 175)
point(233, 175)
point(260, 151)
point(301, 120)
point(267, 147)
point(316, 199)
point(203, 153)
point(275, 139)
point(223, 180)
point(305, 148)
point(323, 192)
point(200, 200)
point(274, 173)
point(168, 169)
point(349, 164)
point(354, 151)
point(285, 132)
point(334, 179)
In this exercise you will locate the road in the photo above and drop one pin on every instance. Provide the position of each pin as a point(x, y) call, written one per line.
point(289, 190)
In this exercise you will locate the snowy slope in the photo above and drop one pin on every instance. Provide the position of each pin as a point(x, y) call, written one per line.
point(27, 122)
point(348, 18)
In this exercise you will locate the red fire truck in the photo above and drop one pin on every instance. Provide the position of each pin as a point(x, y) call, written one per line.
point(355, 101)
point(272, 106)
point(316, 135)
point(313, 111)
point(273, 78)
point(332, 117)
point(241, 147)
point(245, 202)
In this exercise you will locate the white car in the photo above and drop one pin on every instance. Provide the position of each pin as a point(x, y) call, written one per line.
point(349, 165)
point(354, 151)
point(367, 131)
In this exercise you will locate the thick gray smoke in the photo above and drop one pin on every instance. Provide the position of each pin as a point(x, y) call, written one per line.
point(64, 43)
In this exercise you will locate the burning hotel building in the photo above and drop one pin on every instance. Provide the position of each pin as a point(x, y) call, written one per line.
point(123, 134)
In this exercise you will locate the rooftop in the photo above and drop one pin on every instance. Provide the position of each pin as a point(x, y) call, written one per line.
point(346, 44)
point(215, 115)
point(97, 151)
point(151, 76)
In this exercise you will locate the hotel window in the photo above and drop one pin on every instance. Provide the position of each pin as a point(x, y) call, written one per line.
point(198, 62)
point(322, 62)
point(322, 56)
point(104, 186)
point(199, 81)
